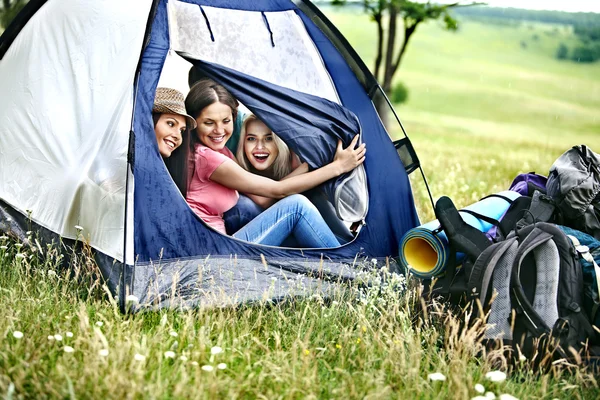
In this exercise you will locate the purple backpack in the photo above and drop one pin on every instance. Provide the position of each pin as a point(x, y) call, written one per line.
point(526, 184)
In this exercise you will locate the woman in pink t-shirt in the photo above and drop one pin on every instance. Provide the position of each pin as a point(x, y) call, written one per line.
point(216, 178)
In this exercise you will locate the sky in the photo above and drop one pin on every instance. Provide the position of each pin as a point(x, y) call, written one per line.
point(562, 5)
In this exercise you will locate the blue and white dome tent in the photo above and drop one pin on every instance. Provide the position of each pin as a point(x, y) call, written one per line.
point(77, 145)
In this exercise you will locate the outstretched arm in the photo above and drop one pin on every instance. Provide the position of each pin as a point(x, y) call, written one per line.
point(235, 177)
point(266, 202)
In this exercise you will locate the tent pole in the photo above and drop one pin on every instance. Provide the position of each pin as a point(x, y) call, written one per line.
point(378, 87)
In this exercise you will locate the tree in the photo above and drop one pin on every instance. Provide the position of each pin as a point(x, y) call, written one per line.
point(9, 10)
point(390, 50)
point(563, 52)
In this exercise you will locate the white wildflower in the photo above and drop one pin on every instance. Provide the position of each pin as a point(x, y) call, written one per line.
point(50, 337)
point(506, 396)
point(58, 337)
point(374, 261)
point(436, 376)
point(221, 366)
point(183, 358)
point(490, 395)
point(28, 233)
point(195, 363)
point(99, 323)
point(68, 349)
point(139, 357)
point(496, 376)
point(103, 353)
point(51, 272)
point(17, 334)
point(3, 237)
point(169, 354)
point(132, 299)
point(173, 333)
point(69, 334)
point(207, 368)
point(3, 247)
point(79, 227)
point(479, 388)
point(216, 350)
point(20, 256)
point(18, 245)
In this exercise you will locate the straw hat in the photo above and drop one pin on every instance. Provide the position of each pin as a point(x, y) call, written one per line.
point(171, 101)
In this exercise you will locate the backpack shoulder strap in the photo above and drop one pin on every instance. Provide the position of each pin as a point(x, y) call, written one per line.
point(532, 319)
point(584, 252)
point(483, 268)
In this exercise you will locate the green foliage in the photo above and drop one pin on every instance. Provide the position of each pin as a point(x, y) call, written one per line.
point(586, 53)
point(9, 11)
point(588, 33)
point(562, 53)
point(399, 93)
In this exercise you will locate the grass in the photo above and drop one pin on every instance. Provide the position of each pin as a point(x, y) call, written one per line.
point(362, 343)
point(481, 109)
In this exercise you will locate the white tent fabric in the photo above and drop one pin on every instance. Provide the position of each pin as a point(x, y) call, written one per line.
point(242, 41)
point(66, 117)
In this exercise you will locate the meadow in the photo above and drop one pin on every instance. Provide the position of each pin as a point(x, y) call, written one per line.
point(482, 108)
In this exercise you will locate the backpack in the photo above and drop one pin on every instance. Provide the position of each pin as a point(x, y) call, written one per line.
point(527, 184)
point(533, 277)
point(536, 275)
point(574, 184)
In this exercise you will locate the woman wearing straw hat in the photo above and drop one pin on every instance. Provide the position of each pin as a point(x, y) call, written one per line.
point(172, 126)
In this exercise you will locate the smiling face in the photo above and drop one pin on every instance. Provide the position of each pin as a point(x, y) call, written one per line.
point(259, 145)
point(169, 130)
point(215, 125)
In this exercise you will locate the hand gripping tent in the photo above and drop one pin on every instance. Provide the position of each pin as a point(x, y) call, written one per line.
point(78, 150)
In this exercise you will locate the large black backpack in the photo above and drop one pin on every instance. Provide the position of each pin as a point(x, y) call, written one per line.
point(533, 277)
point(536, 281)
point(574, 185)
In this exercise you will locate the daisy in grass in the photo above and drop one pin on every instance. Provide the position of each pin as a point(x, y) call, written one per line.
point(169, 354)
point(17, 334)
point(139, 357)
point(496, 376)
point(216, 350)
point(436, 377)
point(207, 368)
point(68, 349)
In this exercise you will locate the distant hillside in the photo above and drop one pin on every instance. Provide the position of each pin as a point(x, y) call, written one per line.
point(517, 14)
point(509, 14)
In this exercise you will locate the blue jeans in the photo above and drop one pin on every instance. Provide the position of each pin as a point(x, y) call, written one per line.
point(243, 212)
point(294, 215)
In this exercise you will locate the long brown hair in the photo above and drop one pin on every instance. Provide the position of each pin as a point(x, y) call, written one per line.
point(177, 163)
point(206, 92)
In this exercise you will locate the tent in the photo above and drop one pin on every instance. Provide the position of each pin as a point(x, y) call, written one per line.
point(77, 146)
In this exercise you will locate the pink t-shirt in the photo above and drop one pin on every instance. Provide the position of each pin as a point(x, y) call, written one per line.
point(209, 199)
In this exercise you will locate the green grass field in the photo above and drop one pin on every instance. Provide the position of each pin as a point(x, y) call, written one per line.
point(481, 110)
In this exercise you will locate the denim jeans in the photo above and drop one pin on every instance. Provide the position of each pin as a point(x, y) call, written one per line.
point(243, 212)
point(294, 215)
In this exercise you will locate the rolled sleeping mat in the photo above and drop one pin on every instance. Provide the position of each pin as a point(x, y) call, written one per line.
point(425, 251)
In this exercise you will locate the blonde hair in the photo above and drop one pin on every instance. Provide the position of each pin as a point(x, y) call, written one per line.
point(281, 167)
